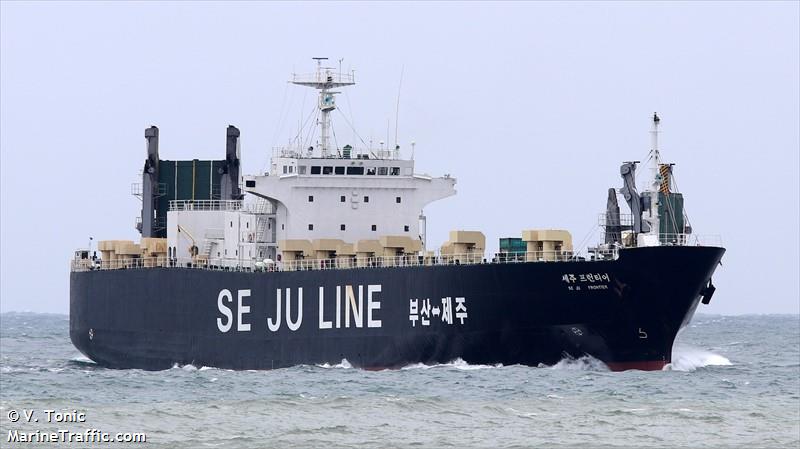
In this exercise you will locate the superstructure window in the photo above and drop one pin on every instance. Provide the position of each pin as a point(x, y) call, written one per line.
point(371, 171)
point(231, 224)
point(310, 227)
point(327, 170)
point(291, 169)
point(398, 200)
point(342, 227)
point(355, 170)
point(395, 171)
point(341, 199)
point(338, 170)
point(374, 227)
point(285, 169)
point(249, 183)
point(316, 169)
point(366, 199)
point(406, 228)
point(383, 171)
point(310, 198)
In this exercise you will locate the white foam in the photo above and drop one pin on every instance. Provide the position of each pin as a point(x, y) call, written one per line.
point(82, 359)
point(585, 363)
point(187, 367)
point(458, 363)
point(344, 364)
point(689, 359)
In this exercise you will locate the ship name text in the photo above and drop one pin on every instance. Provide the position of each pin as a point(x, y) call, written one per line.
point(348, 306)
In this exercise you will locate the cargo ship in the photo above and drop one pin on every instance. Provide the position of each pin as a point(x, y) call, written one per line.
point(325, 257)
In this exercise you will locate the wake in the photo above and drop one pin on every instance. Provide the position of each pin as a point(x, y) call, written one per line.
point(686, 358)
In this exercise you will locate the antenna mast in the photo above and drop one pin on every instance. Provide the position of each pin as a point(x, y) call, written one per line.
point(655, 157)
point(324, 80)
point(397, 108)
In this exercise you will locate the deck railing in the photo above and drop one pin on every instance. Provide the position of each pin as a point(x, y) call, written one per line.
point(205, 205)
point(339, 263)
point(406, 260)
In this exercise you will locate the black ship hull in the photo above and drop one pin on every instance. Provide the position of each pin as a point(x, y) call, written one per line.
point(624, 312)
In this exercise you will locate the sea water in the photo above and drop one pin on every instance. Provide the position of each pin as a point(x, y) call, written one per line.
point(734, 382)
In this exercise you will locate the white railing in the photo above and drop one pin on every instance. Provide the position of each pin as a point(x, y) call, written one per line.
point(341, 262)
point(356, 153)
point(624, 220)
point(181, 205)
point(353, 262)
point(690, 240)
point(320, 77)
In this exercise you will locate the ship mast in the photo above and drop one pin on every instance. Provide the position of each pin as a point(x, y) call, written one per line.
point(324, 80)
point(655, 156)
point(651, 191)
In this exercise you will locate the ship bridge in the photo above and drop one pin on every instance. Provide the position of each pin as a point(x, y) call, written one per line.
point(348, 194)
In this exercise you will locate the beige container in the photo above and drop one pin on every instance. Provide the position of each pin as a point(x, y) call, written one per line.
point(547, 244)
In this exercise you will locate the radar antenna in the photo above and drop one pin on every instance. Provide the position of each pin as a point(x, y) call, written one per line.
point(325, 79)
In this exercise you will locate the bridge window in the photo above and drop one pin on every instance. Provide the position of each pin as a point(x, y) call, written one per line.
point(355, 171)
point(285, 169)
point(395, 171)
point(371, 171)
point(383, 171)
point(339, 170)
point(327, 170)
point(316, 169)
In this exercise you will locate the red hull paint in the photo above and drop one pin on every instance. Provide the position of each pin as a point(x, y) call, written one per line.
point(644, 365)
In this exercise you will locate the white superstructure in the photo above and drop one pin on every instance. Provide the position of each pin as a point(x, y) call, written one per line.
point(319, 199)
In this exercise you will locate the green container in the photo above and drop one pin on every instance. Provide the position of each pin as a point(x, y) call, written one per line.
point(513, 245)
point(185, 180)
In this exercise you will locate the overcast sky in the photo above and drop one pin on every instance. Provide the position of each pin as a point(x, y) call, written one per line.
point(531, 106)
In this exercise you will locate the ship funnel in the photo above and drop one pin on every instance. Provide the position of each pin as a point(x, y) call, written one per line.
point(149, 182)
point(151, 135)
point(613, 225)
point(229, 184)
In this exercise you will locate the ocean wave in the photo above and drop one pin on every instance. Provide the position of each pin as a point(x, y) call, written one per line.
point(690, 359)
point(458, 363)
point(80, 358)
point(344, 364)
point(585, 363)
